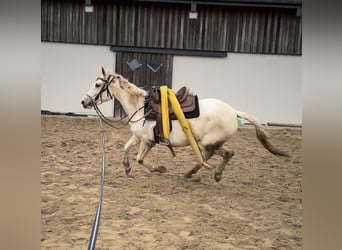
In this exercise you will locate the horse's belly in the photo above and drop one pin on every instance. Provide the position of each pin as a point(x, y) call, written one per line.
point(177, 136)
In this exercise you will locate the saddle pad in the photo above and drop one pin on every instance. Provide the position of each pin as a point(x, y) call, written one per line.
point(188, 113)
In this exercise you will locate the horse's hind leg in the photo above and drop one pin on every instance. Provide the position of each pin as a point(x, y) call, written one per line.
point(194, 170)
point(226, 155)
point(207, 153)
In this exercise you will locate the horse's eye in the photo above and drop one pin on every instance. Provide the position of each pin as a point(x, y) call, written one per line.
point(97, 85)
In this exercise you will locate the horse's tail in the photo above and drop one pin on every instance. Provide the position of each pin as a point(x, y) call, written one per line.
point(261, 134)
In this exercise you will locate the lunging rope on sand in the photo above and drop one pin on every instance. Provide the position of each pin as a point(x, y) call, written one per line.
point(93, 236)
point(101, 117)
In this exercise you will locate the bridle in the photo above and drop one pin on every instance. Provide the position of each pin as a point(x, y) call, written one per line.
point(105, 87)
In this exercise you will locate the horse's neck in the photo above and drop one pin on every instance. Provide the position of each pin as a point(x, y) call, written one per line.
point(132, 104)
point(130, 96)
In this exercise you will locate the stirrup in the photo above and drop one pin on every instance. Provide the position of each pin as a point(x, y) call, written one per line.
point(164, 141)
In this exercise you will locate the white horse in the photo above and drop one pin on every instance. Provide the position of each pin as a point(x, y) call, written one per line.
point(216, 124)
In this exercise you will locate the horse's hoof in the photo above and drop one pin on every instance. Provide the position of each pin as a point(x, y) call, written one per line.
point(218, 177)
point(125, 164)
point(195, 179)
point(161, 169)
point(188, 175)
point(128, 170)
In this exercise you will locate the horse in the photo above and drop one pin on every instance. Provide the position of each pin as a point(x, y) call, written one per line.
point(216, 124)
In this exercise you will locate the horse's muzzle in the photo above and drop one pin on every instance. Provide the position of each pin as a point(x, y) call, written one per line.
point(86, 103)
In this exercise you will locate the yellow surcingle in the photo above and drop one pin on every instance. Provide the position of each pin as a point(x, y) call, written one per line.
point(169, 96)
point(165, 111)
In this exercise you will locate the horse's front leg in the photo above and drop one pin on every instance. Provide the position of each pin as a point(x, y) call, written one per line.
point(131, 142)
point(144, 148)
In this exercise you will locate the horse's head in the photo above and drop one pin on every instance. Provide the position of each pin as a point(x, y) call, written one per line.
point(110, 85)
point(102, 90)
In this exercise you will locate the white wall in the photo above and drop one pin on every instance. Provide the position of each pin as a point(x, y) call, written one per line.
point(267, 86)
point(68, 71)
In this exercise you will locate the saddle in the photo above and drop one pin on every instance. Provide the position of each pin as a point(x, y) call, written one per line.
point(187, 100)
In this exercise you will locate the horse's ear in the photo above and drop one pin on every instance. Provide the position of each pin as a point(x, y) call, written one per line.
point(103, 71)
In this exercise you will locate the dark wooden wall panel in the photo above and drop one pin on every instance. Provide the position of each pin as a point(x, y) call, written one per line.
point(143, 77)
point(156, 25)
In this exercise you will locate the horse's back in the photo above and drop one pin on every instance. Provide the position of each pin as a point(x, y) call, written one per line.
point(217, 109)
point(217, 120)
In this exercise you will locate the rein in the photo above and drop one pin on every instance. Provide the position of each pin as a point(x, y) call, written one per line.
point(110, 122)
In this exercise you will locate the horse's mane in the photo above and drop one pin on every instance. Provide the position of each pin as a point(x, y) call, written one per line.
point(129, 87)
